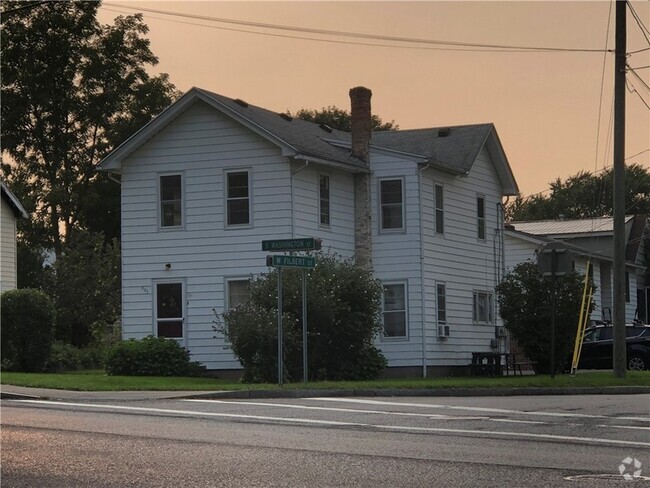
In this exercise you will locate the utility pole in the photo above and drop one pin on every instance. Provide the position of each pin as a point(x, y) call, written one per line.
point(619, 192)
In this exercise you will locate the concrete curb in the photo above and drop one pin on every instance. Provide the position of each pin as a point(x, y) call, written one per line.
point(70, 395)
point(429, 392)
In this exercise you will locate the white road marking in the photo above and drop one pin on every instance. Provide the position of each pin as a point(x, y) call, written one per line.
point(402, 428)
point(475, 409)
point(519, 421)
point(346, 410)
point(637, 419)
point(632, 427)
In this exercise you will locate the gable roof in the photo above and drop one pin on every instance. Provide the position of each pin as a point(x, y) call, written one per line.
point(600, 226)
point(13, 202)
point(301, 139)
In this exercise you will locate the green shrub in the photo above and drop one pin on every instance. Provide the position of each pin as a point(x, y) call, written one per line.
point(344, 317)
point(151, 356)
point(63, 357)
point(27, 329)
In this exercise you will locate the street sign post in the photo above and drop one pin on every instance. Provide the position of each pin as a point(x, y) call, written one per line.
point(291, 261)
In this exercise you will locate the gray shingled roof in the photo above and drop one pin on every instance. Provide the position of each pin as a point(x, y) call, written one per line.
point(455, 151)
point(306, 137)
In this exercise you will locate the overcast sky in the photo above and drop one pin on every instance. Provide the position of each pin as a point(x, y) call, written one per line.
point(545, 105)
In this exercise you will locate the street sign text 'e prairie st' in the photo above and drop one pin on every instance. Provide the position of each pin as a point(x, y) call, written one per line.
point(307, 244)
point(291, 261)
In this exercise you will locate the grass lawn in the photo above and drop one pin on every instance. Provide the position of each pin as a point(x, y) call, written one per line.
point(97, 380)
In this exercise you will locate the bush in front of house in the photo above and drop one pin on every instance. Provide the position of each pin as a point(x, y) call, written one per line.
point(524, 298)
point(151, 356)
point(27, 317)
point(343, 316)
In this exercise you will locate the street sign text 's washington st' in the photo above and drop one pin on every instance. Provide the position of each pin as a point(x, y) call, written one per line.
point(307, 244)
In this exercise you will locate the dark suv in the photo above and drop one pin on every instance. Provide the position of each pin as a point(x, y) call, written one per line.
point(597, 350)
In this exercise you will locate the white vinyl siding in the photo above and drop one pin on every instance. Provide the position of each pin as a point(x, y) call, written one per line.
point(7, 248)
point(202, 144)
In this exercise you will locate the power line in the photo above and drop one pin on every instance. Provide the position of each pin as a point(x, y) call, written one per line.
point(637, 154)
point(602, 85)
point(639, 50)
point(643, 28)
point(629, 84)
point(638, 77)
point(379, 37)
point(24, 7)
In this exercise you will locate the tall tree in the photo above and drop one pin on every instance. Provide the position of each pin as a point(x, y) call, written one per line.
point(340, 119)
point(72, 90)
point(585, 195)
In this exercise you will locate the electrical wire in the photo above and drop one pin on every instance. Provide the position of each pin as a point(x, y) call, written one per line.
point(637, 154)
point(356, 34)
point(633, 89)
point(24, 7)
point(643, 28)
point(638, 77)
point(602, 84)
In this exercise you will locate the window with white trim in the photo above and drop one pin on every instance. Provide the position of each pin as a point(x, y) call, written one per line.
point(171, 201)
point(480, 216)
point(483, 307)
point(237, 198)
point(169, 310)
point(441, 294)
point(238, 292)
point(394, 310)
point(324, 200)
point(392, 204)
point(440, 213)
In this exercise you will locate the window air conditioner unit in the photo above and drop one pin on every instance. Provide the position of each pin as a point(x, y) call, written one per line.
point(502, 332)
point(443, 331)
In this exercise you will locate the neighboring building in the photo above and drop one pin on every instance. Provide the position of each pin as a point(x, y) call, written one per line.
point(589, 240)
point(11, 210)
point(211, 177)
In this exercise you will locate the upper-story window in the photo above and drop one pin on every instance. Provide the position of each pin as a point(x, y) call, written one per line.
point(238, 198)
point(480, 217)
point(440, 213)
point(171, 201)
point(324, 200)
point(392, 204)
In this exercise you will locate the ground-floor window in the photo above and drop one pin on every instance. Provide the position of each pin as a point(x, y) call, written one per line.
point(169, 310)
point(394, 310)
point(237, 292)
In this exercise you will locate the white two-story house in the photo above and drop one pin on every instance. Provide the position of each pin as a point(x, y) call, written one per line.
point(211, 177)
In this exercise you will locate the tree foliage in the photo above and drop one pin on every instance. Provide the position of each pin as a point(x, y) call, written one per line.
point(525, 299)
point(343, 315)
point(585, 195)
point(340, 119)
point(27, 329)
point(86, 287)
point(72, 89)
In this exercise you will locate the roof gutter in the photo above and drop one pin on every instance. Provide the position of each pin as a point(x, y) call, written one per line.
point(333, 164)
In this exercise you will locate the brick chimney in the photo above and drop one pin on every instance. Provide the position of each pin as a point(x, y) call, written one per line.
point(361, 132)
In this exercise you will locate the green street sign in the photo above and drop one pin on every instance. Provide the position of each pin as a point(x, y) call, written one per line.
point(291, 261)
point(308, 244)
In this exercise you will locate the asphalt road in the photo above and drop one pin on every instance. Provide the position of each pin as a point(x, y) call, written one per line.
point(445, 442)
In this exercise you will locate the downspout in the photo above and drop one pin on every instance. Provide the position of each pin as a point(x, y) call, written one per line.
point(424, 332)
point(293, 203)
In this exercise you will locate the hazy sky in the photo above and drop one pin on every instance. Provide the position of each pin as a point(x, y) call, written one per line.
point(545, 105)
